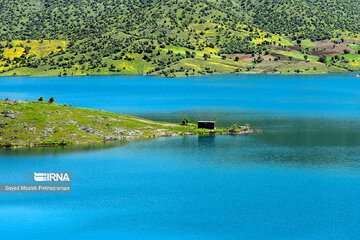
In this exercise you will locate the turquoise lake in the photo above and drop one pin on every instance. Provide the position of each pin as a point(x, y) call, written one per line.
point(300, 179)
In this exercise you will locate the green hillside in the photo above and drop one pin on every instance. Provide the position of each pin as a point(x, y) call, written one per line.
point(177, 37)
point(312, 19)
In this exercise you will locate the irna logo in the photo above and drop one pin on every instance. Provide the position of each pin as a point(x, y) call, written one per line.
point(52, 177)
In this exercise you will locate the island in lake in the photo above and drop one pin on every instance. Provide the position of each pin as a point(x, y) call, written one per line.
point(39, 123)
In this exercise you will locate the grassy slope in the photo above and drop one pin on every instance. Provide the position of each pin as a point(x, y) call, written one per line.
point(42, 123)
point(196, 66)
point(45, 123)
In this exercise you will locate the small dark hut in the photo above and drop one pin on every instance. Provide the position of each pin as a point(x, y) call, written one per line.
point(206, 124)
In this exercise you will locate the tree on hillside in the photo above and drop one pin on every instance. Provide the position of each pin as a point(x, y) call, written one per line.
point(322, 59)
point(51, 100)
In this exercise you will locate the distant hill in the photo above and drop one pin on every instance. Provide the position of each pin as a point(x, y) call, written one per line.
point(178, 37)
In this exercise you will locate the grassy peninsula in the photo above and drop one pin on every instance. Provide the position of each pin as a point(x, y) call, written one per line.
point(39, 123)
point(178, 38)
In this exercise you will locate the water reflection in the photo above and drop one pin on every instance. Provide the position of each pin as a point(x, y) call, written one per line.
point(206, 141)
point(56, 150)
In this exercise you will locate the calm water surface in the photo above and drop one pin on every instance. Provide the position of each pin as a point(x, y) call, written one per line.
point(298, 180)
